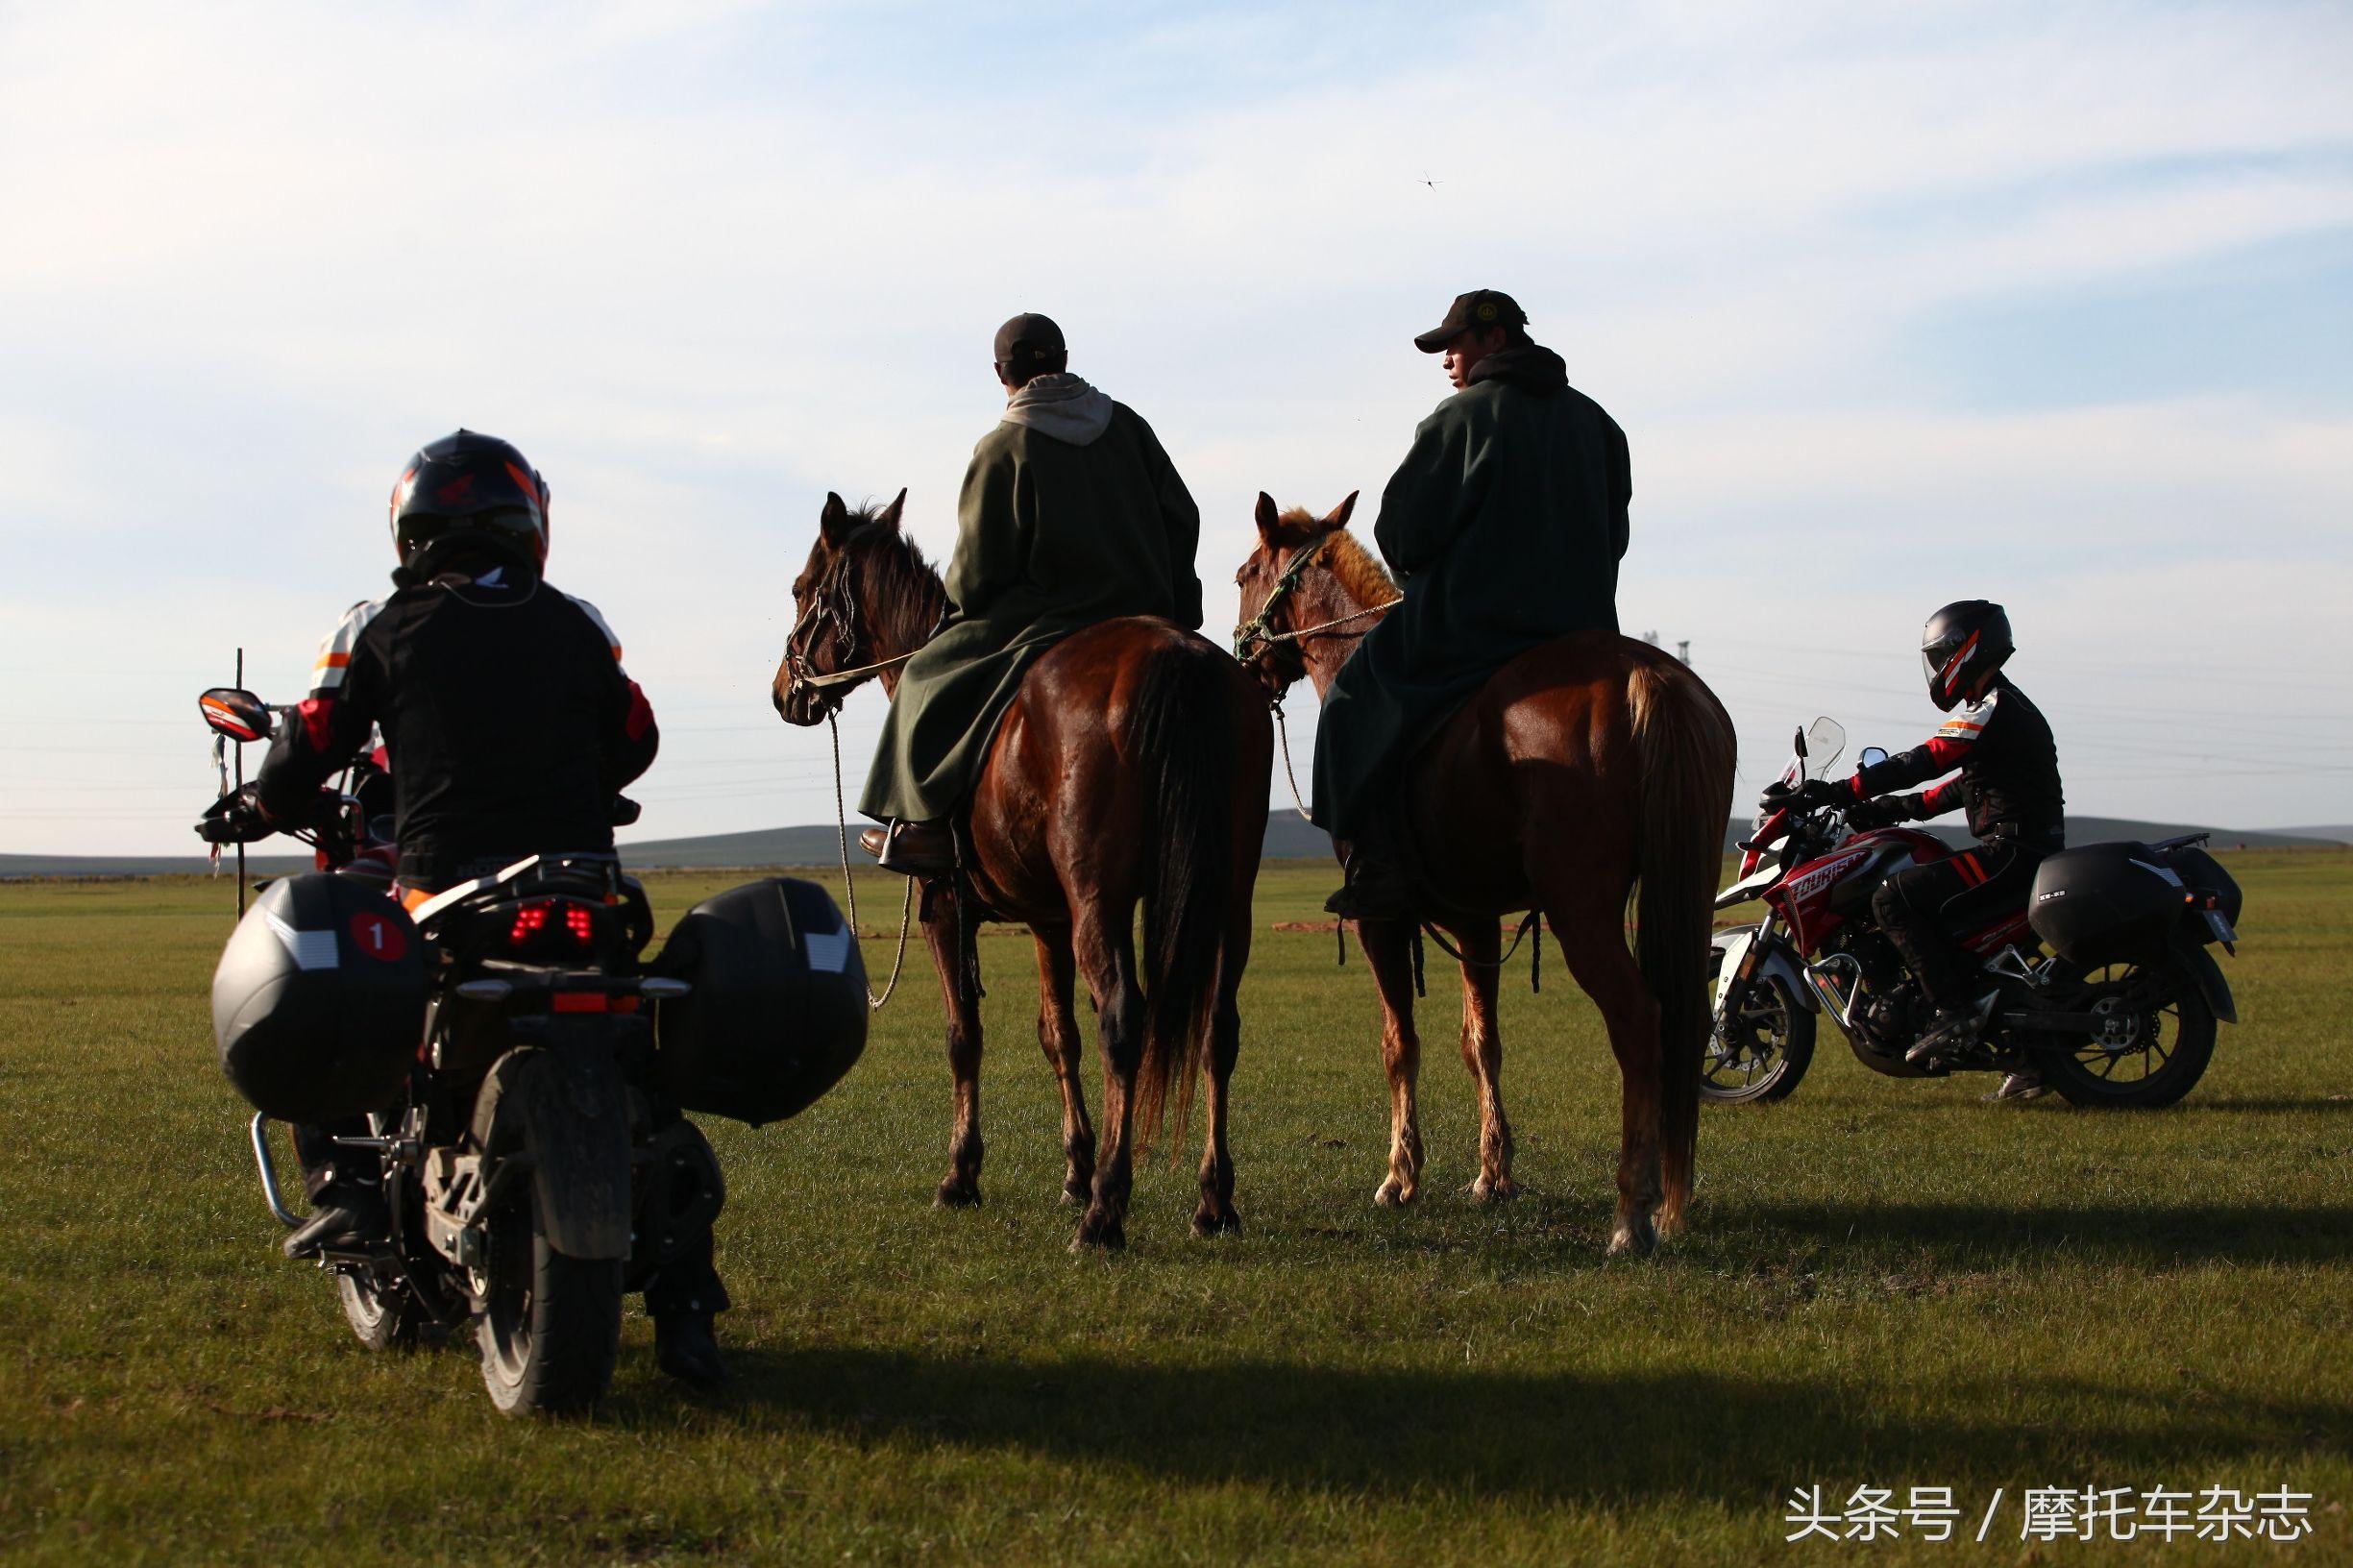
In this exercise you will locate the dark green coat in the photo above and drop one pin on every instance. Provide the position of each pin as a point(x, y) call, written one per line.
point(1052, 537)
point(1504, 525)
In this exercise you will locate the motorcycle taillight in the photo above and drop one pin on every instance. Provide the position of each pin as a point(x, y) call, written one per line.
point(553, 925)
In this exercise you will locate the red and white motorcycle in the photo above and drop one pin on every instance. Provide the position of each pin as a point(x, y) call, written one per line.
point(2101, 979)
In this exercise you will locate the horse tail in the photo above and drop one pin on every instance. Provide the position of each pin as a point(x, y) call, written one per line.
point(1184, 739)
point(1685, 744)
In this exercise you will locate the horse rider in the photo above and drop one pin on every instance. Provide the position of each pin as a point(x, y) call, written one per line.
point(1071, 514)
point(511, 728)
point(1504, 524)
point(2008, 782)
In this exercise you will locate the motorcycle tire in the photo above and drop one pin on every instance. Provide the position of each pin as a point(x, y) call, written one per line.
point(381, 1316)
point(1787, 1029)
point(2176, 1042)
point(548, 1325)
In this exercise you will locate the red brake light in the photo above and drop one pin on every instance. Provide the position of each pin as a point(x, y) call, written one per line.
point(527, 923)
point(554, 917)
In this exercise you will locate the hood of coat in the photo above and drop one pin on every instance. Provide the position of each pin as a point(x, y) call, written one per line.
point(1530, 367)
point(1063, 407)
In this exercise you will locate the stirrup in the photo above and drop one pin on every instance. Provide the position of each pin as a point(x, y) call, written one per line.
point(932, 851)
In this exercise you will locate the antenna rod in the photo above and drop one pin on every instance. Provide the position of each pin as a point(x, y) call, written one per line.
point(240, 749)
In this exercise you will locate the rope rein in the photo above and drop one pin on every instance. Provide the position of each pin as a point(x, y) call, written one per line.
point(906, 911)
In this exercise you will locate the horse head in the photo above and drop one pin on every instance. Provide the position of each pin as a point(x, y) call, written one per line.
point(1290, 589)
point(831, 627)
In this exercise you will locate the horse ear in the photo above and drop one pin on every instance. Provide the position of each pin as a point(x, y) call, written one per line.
point(1339, 519)
point(890, 514)
point(833, 523)
point(1269, 518)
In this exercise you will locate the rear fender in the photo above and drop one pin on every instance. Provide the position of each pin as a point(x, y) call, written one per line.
point(1731, 947)
point(2203, 973)
point(569, 1107)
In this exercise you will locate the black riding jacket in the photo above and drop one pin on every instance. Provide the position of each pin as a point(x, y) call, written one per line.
point(2009, 772)
point(509, 720)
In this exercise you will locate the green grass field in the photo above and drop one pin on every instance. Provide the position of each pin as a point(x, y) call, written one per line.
point(1884, 1284)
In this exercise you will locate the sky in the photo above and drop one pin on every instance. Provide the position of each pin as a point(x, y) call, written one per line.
point(2050, 304)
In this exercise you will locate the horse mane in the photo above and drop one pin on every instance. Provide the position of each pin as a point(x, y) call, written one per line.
point(1361, 576)
point(901, 584)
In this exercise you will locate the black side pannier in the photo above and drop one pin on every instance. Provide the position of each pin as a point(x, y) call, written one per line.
point(318, 1003)
point(2204, 875)
point(2109, 904)
point(777, 1010)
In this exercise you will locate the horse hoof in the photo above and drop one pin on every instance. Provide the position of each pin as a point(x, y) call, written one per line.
point(1501, 1191)
point(1099, 1232)
point(1075, 1193)
point(1393, 1195)
point(957, 1192)
point(1633, 1239)
point(1209, 1222)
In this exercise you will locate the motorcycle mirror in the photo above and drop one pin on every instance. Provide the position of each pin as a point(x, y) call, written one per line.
point(236, 713)
point(1872, 757)
point(1800, 743)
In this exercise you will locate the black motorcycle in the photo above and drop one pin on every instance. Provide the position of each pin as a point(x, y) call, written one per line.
point(2100, 979)
point(522, 1072)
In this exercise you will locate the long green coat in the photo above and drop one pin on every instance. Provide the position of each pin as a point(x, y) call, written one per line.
point(1504, 525)
point(1052, 537)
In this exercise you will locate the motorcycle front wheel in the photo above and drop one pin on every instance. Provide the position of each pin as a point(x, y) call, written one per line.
point(1761, 1056)
point(2147, 1056)
point(548, 1325)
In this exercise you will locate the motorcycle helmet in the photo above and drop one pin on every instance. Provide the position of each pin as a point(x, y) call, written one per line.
point(1961, 647)
point(469, 491)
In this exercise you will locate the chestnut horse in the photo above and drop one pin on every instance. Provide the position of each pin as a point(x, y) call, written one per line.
point(1132, 768)
point(1588, 766)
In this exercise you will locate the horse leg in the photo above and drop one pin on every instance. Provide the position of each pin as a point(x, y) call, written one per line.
point(1482, 1052)
point(1217, 1215)
point(1589, 923)
point(1389, 950)
point(1106, 951)
point(1058, 1035)
point(944, 934)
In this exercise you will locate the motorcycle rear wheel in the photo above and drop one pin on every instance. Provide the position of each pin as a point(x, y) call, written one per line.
point(1770, 1045)
point(2157, 1054)
point(548, 1325)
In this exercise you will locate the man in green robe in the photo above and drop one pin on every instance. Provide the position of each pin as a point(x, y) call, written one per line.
point(1071, 515)
point(1504, 525)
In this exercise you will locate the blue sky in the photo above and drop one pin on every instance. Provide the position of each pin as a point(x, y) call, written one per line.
point(2047, 303)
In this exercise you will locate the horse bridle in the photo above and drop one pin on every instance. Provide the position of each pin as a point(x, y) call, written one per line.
point(834, 602)
point(1256, 630)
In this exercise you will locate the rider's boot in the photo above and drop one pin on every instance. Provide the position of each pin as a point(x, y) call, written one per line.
point(345, 1216)
point(1954, 1030)
point(2025, 1083)
point(911, 848)
point(1374, 889)
point(686, 1347)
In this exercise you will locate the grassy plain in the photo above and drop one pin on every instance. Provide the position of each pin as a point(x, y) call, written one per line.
point(1885, 1284)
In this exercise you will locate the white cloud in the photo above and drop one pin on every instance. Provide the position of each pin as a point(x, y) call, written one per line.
point(704, 272)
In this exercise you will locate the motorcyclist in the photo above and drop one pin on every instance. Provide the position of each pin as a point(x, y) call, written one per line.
point(2007, 779)
point(510, 730)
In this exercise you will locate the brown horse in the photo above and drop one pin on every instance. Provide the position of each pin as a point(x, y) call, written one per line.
point(1585, 766)
point(1132, 768)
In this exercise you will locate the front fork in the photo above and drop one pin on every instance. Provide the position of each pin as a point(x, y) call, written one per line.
point(1732, 999)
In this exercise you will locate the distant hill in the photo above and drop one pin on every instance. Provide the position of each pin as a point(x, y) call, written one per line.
point(1287, 838)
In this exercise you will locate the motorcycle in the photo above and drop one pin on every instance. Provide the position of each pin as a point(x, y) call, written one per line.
point(2101, 982)
point(499, 1046)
